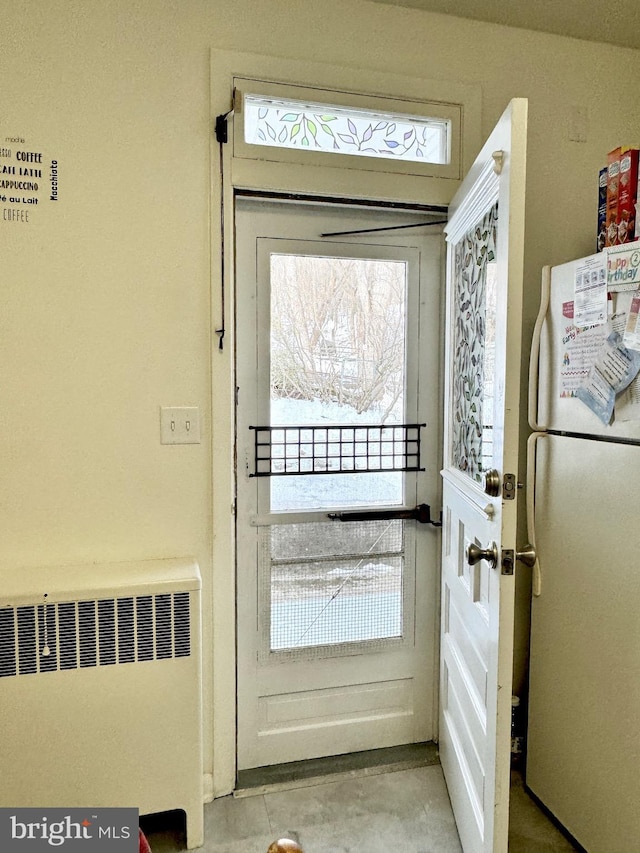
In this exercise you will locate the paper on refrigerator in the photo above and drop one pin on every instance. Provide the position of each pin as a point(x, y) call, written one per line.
point(590, 293)
point(581, 345)
point(614, 370)
point(631, 337)
point(623, 267)
point(627, 406)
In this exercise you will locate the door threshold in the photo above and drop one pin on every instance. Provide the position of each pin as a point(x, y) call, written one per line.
point(315, 771)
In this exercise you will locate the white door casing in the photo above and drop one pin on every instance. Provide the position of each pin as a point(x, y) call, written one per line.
point(307, 703)
point(371, 182)
point(482, 390)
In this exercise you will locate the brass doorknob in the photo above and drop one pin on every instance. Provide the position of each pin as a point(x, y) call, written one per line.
point(527, 556)
point(475, 554)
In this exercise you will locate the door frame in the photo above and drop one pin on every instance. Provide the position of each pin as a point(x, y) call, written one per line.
point(360, 186)
point(264, 225)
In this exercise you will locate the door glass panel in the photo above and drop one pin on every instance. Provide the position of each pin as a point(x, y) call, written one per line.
point(474, 347)
point(364, 133)
point(331, 583)
point(337, 356)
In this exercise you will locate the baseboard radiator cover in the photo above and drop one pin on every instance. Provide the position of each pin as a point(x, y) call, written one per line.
point(101, 688)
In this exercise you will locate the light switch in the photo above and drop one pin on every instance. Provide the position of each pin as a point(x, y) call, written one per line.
point(179, 425)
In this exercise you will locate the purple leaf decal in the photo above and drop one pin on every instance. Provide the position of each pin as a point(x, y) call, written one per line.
point(348, 139)
point(408, 134)
point(367, 134)
point(391, 143)
point(352, 127)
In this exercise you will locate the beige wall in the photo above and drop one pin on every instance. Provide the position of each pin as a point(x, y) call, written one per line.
point(105, 296)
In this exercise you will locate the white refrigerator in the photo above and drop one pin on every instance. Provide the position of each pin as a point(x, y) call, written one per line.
point(583, 504)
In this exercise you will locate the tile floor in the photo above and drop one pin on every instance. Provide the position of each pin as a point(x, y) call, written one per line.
point(403, 810)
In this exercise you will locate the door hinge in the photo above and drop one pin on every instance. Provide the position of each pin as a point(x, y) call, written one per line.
point(507, 562)
point(509, 487)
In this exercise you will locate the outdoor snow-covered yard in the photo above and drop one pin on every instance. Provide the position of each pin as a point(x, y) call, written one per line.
point(291, 493)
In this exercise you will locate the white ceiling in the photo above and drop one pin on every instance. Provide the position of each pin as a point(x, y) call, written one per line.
point(610, 21)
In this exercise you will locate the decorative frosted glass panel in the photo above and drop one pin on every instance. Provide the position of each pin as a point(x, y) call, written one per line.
point(340, 130)
point(330, 584)
point(474, 347)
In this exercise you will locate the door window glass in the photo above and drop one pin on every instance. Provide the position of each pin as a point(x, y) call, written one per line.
point(337, 358)
point(474, 347)
point(363, 133)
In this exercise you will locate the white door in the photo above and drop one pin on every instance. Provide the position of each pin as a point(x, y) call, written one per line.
point(485, 237)
point(336, 335)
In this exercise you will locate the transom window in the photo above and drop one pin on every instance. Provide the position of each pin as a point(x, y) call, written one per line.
point(364, 133)
point(285, 123)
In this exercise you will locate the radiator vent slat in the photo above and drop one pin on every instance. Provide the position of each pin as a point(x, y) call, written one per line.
point(67, 635)
point(8, 660)
point(126, 631)
point(144, 623)
point(107, 631)
point(27, 640)
point(164, 638)
point(181, 623)
point(76, 634)
point(87, 633)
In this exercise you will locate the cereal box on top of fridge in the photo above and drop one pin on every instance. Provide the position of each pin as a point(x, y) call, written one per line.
point(627, 194)
point(613, 175)
point(601, 234)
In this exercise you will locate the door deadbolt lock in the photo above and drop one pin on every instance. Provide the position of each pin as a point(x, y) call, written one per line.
point(475, 554)
point(492, 483)
point(496, 486)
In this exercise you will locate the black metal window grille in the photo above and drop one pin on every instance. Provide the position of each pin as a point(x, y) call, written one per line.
point(281, 451)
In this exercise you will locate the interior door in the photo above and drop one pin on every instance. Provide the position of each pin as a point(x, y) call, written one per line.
point(338, 437)
point(485, 240)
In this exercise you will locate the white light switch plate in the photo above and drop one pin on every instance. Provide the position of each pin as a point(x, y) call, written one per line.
point(179, 425)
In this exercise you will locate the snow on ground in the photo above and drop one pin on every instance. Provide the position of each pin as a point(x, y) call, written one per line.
point(335, 616)
point(331, 491)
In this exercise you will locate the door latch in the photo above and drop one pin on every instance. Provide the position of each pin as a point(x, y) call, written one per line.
point(509, 487)
point(527, 556)
point(507, 562)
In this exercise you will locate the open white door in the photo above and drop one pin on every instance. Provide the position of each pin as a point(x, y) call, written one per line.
point(485, 238)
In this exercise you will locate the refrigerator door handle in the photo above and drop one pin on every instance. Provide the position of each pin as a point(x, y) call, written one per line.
point(534, 359)
point(536, 578)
